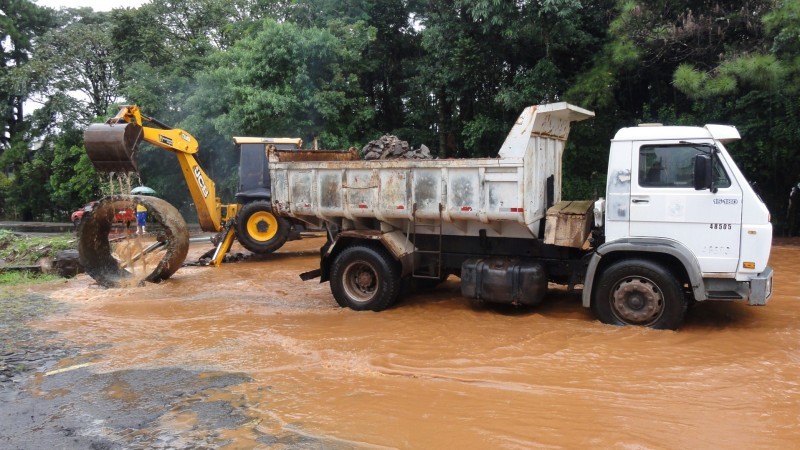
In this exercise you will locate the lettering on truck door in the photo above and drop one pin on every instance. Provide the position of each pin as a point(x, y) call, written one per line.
point(664, 203)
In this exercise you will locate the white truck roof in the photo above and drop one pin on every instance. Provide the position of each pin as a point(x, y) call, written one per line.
point(723, 133)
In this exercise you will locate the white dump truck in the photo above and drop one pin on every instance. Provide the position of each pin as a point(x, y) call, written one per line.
point(679, 222)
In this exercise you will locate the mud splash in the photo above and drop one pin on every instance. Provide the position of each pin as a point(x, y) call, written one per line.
point(433, 372)
point(117, 257)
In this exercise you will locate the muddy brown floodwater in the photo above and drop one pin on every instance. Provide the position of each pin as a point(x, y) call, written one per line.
point(434, 372)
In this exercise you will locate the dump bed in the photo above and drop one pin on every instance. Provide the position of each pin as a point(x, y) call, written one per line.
point(510, 193)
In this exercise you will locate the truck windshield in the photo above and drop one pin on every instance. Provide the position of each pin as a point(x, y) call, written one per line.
point(673, 166)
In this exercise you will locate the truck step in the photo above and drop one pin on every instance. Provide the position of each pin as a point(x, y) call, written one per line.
point(724, 295)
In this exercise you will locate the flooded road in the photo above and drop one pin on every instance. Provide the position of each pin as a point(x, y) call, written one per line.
point(432, 372)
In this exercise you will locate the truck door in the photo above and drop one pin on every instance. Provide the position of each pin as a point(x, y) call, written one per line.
point(665, 204)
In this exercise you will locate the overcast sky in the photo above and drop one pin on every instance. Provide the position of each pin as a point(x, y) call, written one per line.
point(97, 5)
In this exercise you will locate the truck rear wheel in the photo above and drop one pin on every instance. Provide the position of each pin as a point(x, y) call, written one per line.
point(365, 278)
point(639, 292)
point(260, 231)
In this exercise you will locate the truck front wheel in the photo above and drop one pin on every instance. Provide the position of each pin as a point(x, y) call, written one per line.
point(364, 278)
point(639, 292)
point(260, 231)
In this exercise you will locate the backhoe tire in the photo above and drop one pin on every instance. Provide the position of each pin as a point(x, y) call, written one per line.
point(260, 231)
point(365, 278)
point(640, 292)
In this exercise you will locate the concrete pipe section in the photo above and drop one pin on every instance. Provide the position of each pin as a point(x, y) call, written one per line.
point(116, 256)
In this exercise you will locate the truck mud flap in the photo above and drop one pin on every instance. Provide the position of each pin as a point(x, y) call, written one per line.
point(311, 274)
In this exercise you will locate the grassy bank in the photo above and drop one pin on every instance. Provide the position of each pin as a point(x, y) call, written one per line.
point(23, 250)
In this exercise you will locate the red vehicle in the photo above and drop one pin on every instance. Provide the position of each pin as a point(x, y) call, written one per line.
point(126, 216)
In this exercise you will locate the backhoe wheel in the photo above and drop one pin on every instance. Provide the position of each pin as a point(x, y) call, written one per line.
point(640, 292)
point(365, 278)
point(260, 231)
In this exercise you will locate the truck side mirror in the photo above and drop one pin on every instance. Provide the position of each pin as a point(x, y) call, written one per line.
point(703, 176)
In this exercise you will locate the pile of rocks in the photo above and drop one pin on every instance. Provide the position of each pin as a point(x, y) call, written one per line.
point(391, 147)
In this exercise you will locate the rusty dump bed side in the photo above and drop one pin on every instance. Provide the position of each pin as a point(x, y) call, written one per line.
point(350, 154)
point(506, 196)
point(112, 146)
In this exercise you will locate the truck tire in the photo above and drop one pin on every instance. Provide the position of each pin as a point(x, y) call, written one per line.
point(260, 231)
point(365, 278)
point(639, 292)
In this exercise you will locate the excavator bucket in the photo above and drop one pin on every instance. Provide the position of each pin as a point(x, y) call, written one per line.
point(112, 147)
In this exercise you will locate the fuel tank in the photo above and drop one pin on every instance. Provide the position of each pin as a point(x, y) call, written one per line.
point(504, 280)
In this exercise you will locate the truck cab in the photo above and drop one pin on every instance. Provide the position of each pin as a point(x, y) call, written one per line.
point(676, 199)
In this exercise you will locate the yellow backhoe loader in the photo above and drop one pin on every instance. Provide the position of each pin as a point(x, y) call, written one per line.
point(112, 147)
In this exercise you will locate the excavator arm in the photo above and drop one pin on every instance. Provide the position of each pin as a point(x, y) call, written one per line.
point(112, 147)
point(158, 134)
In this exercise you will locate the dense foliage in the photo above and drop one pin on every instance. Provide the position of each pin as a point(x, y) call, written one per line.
point(451, 74)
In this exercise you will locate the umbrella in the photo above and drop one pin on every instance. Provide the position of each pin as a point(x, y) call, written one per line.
point(142, 190)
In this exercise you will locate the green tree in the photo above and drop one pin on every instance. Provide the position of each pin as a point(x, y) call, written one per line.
point(640, 72)
point(79, 60)
point(28, 197)
point(386, 62)
point(73, 180)
point(758, 91)
point(451, 74)
point(161, 46)
point(288, 81)
point(20, 22)
point(485, 60)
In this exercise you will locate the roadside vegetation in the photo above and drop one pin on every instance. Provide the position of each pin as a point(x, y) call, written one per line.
point(25, 277)
point(17, 250)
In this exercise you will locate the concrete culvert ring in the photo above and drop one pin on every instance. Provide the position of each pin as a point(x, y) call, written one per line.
point(115, 256)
